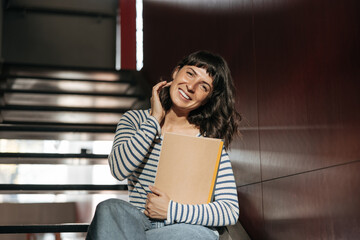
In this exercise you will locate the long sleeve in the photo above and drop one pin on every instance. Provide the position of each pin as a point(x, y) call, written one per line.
point(134, 136)
point(224, 210)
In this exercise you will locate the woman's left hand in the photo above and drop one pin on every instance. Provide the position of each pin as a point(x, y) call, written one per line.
point(157, 203)
point(157, 109)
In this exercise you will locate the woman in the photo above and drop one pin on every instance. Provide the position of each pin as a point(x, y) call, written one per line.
point(199, 101)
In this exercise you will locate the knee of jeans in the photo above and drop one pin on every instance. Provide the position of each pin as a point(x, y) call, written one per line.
point(108, 204)
point(197, 232)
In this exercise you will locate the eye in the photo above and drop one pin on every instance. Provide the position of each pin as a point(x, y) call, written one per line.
point(189, 73)
point(205, 87)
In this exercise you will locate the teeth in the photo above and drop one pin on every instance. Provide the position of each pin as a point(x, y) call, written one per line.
point(183, 94)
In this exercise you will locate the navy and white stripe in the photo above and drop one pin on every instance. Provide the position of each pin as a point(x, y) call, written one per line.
point(135, 155)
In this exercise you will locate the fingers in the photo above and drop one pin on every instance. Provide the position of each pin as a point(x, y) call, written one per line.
point(146, 212)
point(168, 84)
point(158, 86)
point(155, 190)
point(156, 89)
point(156, 206)
point(157, 109)
point(149, 200)
point(148, 205)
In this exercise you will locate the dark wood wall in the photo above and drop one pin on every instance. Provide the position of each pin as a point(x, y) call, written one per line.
point(296, 66)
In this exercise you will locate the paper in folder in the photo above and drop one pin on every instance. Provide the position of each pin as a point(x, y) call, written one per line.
point(188, 168)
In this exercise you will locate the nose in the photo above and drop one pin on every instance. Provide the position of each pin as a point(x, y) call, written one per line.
point(190, 87)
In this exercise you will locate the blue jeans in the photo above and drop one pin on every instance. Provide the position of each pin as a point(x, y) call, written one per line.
point(118, 219)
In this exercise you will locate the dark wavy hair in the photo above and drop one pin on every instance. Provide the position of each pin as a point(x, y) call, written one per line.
point(217, 118)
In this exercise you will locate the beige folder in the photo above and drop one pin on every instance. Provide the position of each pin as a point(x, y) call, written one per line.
point(188, 168)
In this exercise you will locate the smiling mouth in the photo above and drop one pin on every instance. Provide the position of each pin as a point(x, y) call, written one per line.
point(184, 94)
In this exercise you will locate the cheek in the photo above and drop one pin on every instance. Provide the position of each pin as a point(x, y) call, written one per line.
point(205, 96)
point(171, 88)
point(171, 91)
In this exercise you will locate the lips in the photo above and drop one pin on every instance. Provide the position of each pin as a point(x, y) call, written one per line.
point(184, 94)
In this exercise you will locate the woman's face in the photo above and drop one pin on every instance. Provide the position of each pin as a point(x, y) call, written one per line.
point(190, 88)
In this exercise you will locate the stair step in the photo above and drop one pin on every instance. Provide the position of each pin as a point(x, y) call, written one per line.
point(56, 92)
point(51, 128)
point(53, 158)
point(53, 155)
point(62, 108)
point(45, 72)
point(68, 85)
point(65, 124)
point(60, 117)
point(25, 188)
point(49, 228)
point(63, 136)
point(65, 100)
point(69, 133)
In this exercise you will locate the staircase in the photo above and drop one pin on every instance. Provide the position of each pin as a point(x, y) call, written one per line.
point(56, 129)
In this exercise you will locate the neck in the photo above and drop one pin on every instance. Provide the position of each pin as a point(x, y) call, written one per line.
point(175, 118)
point(178, 123)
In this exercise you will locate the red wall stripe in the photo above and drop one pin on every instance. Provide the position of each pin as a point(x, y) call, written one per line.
point(128, 33)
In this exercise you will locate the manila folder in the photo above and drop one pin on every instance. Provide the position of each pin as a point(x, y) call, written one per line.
point(188, 167)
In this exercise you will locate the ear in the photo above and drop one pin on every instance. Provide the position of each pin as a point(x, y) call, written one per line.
point(176, 70)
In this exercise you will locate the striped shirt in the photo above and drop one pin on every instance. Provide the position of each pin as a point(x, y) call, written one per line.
point(135, 156)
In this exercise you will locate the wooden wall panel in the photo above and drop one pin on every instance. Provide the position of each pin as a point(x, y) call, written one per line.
point(321, 204)
point(244, 153)
point(245, 157)
point(296, 71)
point(308, 81)
point(251, 212)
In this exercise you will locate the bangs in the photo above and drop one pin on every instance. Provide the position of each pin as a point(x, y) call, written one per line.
point(210, 69)
point(212, 64)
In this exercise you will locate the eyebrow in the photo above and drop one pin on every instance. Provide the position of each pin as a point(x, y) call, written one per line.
point(207, 84)
point(195, 73)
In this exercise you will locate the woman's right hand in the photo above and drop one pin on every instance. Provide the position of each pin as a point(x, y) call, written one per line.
point(157, 109)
